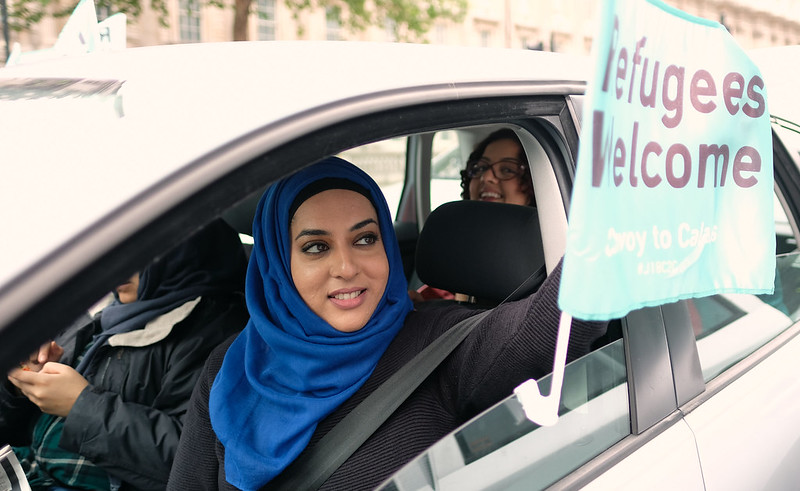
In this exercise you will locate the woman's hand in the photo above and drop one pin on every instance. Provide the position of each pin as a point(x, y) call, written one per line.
point(47, 352)
point(54, 388)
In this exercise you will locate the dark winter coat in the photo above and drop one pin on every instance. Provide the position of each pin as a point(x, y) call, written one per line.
point(129, 419)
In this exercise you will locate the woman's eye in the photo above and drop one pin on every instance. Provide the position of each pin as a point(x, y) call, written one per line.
point(314, 248)
point(368, 239)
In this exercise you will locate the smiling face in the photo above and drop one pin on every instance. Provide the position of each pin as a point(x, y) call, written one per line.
point(488, 188)
point(338, 262)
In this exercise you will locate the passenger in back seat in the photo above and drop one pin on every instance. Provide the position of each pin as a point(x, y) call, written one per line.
point(497, 171)
point(109, 412)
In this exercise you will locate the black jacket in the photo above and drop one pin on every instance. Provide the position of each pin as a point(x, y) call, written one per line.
point(129, 419)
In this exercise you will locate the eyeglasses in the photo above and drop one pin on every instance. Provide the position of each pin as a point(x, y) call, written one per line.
point(503, 170)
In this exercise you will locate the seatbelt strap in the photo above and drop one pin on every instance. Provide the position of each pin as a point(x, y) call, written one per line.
point(314, 467)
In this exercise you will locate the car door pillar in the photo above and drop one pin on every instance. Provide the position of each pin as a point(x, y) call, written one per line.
point(650, 388)
point(683, 354)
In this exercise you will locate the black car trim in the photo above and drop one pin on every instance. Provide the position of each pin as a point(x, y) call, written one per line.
point(650, 384)
point(684, 358)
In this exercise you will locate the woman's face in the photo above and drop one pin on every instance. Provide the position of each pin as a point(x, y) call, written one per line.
point(338, 262)
point(128, 291)
point(488, 188)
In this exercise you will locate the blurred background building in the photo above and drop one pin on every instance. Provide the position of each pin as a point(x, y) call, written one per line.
point(553, 25)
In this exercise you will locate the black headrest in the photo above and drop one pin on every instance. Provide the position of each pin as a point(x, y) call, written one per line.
point(486, 250)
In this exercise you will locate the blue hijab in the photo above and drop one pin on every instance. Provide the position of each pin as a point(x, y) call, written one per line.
point(212, 261)
point(289, 368)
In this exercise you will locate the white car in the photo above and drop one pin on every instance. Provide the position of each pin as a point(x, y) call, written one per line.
point(111, 159)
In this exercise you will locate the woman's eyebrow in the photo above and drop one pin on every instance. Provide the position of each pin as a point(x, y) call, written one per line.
point(319, 231)
point(311, 231)
point(362, 224)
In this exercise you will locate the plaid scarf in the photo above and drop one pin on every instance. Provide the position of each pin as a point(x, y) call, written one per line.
point(46, 464)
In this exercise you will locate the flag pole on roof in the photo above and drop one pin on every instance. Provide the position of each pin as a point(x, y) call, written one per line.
point(673, 188)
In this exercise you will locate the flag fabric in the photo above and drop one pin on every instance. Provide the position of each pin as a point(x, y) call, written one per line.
point(673, 194)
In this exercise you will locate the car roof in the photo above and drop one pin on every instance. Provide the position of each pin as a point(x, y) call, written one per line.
point(85, 135)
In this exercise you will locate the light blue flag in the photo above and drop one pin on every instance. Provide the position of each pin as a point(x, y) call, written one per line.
point(673, 193)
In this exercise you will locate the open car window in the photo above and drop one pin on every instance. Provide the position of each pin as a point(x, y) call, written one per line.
point(501, 448)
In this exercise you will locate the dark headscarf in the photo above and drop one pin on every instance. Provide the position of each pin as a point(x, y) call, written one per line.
point(210, 262)
point(289, 368)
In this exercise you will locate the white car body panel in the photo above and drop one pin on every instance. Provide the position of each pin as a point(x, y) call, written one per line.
point(668, 461)
point(751, 421)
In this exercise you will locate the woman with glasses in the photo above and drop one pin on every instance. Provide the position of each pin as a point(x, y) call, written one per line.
point(497, 170)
